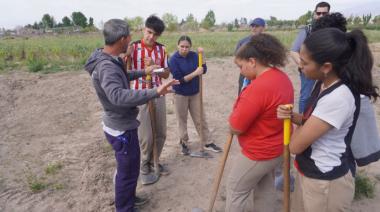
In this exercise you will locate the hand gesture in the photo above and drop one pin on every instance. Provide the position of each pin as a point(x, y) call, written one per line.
point(149, 69)
point(167, 87)
point(284, 111)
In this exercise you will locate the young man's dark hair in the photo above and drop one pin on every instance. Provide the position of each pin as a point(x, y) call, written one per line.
point(334, 20)
point(323, 4)
point(155, 23)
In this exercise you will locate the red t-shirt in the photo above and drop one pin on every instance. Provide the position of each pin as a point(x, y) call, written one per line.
point(254, 114)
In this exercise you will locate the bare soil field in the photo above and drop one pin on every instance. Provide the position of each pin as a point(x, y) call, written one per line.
point(52, 122)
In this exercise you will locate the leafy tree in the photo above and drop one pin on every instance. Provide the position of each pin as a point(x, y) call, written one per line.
point(236, 23)
point(272, 21)
point(47, 21)
point(230, 27)
point(171, 21)
point(90, 22)
point(136, 23)
point(366, 19)
point(66, 21)
point(191, 23)
point(376, 20)
point(182, 22)
point(304, 19)
point(79, 19)
point(350, 20)
point(36, 25)
point(357, 20)
point(243, 21)
point(209, 20)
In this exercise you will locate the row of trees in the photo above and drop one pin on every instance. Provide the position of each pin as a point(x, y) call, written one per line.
point(77, 19)
point(365, 20)
point(190, 23)
point(172, 24)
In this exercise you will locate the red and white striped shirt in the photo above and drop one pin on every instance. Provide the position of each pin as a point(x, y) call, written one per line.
point(139, 52)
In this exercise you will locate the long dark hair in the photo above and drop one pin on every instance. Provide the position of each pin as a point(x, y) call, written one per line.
point(349, 55)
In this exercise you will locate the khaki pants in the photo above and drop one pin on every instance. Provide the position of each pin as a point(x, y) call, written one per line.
point(185, 104)
point(248, 176)
point(145, 129)
point(312, 195)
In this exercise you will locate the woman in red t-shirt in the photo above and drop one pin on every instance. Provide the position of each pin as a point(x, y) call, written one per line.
point(254, 120)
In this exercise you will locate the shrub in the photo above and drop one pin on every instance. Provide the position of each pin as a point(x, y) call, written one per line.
point(364, 187)
point(35, 65)
point(53, 168)
point(35, 184)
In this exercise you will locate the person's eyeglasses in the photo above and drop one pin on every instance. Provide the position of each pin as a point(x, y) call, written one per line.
point(321, 13)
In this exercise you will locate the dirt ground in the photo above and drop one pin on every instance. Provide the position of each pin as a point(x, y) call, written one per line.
point(55, 119)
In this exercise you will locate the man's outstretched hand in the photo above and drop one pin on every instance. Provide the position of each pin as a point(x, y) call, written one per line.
point(167, 87)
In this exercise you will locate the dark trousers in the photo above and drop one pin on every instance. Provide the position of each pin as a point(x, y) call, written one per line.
point(127, 154)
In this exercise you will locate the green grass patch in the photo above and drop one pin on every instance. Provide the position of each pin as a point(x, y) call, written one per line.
point(58, 186)
point(53, 168)
point(35, 65)
point(36, 184)
point(364, 187)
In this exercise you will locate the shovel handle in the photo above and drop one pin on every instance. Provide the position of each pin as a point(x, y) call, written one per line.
point(219, 175)
point(286, 169)
point(201, 102)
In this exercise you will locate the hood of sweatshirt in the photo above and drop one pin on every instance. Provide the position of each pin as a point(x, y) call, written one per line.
point(97, 56)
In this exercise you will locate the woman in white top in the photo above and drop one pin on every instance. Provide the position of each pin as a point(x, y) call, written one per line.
point(341, 63)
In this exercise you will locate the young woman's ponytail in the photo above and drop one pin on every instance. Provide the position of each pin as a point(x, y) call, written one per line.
point(349, 54)
point(357, 71)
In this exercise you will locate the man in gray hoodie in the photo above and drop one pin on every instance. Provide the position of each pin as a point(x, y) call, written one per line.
point(111, 83)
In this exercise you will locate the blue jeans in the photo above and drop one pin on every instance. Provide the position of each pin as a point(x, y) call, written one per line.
point(306, 88)
point(127, 154)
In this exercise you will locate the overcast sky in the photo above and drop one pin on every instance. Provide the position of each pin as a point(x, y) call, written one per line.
point(21, 12)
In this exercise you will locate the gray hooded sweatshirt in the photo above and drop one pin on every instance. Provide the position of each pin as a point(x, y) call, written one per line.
point(111, 84)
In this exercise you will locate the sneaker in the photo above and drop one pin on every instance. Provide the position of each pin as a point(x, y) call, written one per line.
point(212, 147)
point(147, 179)
point(163, 169)
point(145, 169)
point(139, 201)
point(185, 149)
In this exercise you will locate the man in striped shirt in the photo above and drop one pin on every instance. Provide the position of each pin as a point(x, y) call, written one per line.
point(143, 53)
